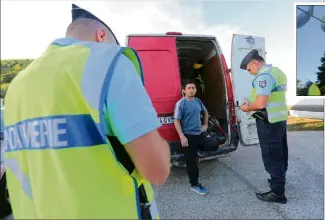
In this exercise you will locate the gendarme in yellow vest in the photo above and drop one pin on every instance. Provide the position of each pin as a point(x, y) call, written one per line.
point(277, 106)
point(59, 162)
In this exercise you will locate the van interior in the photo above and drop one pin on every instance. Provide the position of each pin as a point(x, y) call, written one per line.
point(210, 82)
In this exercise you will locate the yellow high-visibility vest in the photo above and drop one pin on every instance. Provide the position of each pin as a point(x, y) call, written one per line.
point(59, 162)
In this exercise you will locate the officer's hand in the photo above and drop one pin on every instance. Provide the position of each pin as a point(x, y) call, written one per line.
point(204, 128)
point(184, 141)
point(246, 102)
point(244, 107)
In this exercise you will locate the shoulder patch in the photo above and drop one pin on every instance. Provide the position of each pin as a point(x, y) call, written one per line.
point(262, 83)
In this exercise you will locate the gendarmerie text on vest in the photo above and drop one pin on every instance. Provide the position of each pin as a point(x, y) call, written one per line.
point(36, 134)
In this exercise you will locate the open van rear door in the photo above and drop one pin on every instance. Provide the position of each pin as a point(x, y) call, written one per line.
point(242, 83)
point(159, 60)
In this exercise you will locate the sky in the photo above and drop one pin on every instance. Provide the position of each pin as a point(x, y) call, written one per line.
point(310, 45)
point(27, 27)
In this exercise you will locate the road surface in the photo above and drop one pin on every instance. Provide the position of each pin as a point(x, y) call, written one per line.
point(308, 108)
point(234, 179)
point(306, 114)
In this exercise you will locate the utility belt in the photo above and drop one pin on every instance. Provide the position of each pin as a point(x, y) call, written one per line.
point(261, 115)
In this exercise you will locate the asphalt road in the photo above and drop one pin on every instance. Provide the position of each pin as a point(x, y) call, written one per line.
point(234, 179)
point(308, 108)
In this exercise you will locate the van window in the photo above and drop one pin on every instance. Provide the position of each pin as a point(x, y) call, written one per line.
point(159, 73)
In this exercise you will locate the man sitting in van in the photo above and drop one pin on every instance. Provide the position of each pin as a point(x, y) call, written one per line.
point(188, 125)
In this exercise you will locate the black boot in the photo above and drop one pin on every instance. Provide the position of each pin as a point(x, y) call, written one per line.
point(272, 197)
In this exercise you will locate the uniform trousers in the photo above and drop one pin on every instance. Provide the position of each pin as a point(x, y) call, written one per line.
point(274, 149)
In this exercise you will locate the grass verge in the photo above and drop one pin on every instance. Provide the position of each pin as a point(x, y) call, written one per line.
point(305, 124)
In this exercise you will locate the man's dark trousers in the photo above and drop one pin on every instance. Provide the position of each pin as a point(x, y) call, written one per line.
point(190, 154)
point(274, 148)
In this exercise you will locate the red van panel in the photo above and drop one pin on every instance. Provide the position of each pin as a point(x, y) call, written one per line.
point(158, 56)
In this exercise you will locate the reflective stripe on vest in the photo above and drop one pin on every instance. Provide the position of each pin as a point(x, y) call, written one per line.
point(13, 166)
point(276, 107)
point(59, 162)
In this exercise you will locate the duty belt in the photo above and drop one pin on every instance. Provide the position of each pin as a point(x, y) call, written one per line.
point(261, 115)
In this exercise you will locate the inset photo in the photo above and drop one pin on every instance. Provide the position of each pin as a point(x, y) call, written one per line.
point(310, 49)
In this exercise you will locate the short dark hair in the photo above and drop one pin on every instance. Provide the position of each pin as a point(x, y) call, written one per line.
point(188, 81)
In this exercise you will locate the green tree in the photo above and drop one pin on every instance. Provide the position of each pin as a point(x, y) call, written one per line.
point(301, 89)
point(298, 83)
point(9, 70)
point(321, 75)
point(2, 92)
point(8, 78)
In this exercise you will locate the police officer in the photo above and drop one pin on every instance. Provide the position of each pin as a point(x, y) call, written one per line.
point(268, 100)
point(61, 111)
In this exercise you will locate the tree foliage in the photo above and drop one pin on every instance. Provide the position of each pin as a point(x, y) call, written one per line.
point(9, 70)
point(301, 89)
point(321, 74)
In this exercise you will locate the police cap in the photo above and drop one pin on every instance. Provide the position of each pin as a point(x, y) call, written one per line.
point(250, 56)
point(78, 12)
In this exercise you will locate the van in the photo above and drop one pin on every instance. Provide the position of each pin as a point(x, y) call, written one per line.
point(167, 60)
